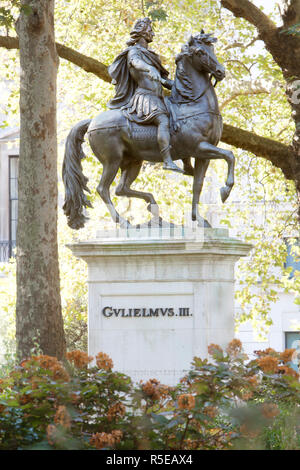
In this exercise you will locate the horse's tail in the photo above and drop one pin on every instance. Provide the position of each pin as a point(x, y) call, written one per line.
point(73, 178)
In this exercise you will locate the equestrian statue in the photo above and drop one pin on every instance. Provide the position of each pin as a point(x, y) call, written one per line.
point(144, 124)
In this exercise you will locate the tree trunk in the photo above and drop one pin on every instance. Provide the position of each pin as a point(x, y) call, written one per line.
point(39, 321)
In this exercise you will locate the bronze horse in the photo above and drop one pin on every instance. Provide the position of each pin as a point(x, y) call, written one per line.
point(196, 125)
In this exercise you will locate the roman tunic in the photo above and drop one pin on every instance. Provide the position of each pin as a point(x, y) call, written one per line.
point(138, 104)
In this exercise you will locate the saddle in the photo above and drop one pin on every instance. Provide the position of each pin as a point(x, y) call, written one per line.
point(137, 132)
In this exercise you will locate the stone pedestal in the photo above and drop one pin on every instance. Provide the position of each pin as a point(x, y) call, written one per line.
point(154, 304)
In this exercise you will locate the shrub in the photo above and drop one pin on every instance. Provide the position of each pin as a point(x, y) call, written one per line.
point(227, 402)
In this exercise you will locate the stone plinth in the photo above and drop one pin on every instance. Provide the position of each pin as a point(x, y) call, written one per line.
point(154, 304)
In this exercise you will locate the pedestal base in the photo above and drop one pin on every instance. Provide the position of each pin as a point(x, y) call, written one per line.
point(155, 304)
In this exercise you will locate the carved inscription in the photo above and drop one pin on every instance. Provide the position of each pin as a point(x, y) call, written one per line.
point(110, 312)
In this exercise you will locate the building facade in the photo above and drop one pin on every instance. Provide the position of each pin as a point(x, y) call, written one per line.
point(9, 164)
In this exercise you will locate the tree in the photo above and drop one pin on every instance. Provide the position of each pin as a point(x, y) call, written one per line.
point(38, 310)
point(283, 43)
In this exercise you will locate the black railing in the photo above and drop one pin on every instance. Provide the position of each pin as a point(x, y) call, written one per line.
point(6, 250)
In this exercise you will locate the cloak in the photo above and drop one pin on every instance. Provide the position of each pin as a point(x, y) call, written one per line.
point(125, 85)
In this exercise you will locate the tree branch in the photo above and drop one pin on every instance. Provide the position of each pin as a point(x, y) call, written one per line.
point(276, 152)
point(86, 63)
point(267, 30)
point(241, 44)
point(245, 92)
point(276, 43)
point(247, 10)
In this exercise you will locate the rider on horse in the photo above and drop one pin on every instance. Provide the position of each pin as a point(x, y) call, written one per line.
point(139, 75)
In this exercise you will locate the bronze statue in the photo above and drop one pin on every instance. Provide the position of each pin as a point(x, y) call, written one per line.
point(139, 76)
point(144, 125)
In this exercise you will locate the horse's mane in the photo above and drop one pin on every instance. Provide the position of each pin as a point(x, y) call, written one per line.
point(183, 85)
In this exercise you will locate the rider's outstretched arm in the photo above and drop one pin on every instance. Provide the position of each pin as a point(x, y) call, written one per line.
point(135, 60)
point(167, 83)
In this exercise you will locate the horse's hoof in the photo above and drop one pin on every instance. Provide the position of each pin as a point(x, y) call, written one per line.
point(125, 224)
point(203, 223)
point(153, 209)
point(173, 167)
point(225, 191)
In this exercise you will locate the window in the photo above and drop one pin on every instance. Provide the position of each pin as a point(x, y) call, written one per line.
point(13, 201)
point(292, 260)
point(292, 341)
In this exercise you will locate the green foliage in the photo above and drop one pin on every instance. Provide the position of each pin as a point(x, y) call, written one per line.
point(10, 11)
point(156, 11)
point(262, 205)
point(226, 403)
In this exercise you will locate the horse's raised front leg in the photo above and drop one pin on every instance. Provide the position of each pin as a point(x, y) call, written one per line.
point(128, 176)
point(207, 150)
point(110, 169)
point(199, 175)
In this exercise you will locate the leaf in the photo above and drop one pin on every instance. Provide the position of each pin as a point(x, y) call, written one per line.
point(160, 418)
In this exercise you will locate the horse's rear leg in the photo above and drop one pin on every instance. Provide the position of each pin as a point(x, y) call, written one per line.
point(199, 175)
point(129, 175)
point(108, 175)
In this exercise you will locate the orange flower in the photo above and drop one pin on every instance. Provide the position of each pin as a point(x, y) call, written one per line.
point(2, 408)
point(152, 389)
point(50, 363)
point(286, 370)
point(247, 395)
point(164, 390)
point(60, 373)
point(253, 380)
point(103, 361)
point(46, 362)
point(270, 410)
point(211, 411)
point(234, 347)
point(115, 411)
point(117, 434)
point(268, 363)
point(186, 401)
point(62, 417)
point(266, 352)
point(80, 358)
point(213, 348)
point(103, 439)
point(287, 355)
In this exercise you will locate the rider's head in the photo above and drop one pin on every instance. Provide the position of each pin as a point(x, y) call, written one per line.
point(142, 29)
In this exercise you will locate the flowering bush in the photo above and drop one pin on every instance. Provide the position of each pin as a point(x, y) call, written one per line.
point(227, 402)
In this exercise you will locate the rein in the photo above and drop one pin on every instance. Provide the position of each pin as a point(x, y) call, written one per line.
point(180, 118)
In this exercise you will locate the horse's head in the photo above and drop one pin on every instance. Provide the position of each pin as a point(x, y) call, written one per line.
point(201, 50)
